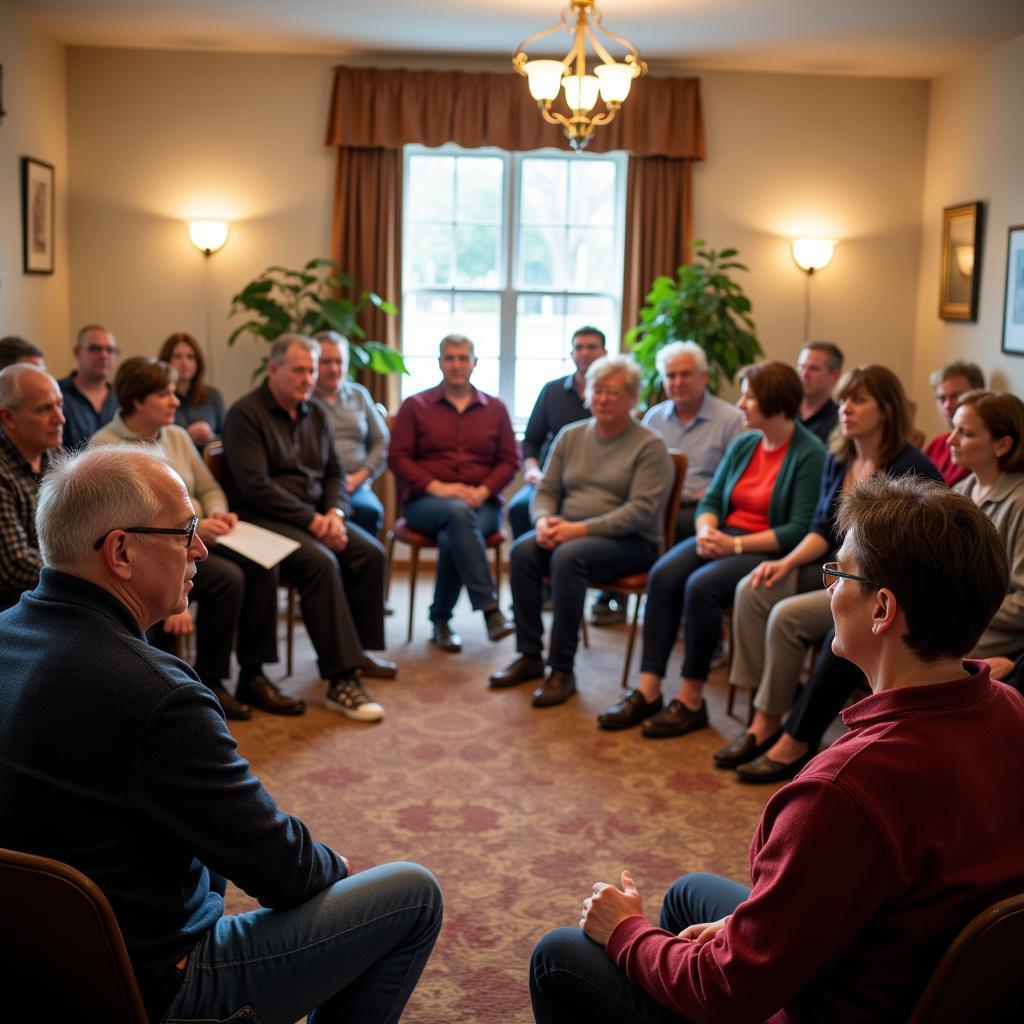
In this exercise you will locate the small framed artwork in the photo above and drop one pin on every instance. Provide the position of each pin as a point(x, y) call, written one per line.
point(1013, 307)
point(37, 215)
point(961, 261)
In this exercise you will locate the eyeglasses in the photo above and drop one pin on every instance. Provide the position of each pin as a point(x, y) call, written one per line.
point(97, 350)
point(188, 532)
point(831, 569)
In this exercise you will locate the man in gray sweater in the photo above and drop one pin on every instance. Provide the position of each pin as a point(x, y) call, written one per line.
point(597, 515)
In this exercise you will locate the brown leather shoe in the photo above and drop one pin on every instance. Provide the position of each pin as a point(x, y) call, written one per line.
point(377, 668)
point(522, 670)
point(498, 627)
point(444, 637)
point(261, 693)
point(234, 710)
point(557, 688)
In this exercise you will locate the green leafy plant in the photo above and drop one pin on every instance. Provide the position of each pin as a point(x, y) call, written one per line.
point(315, 298)
point(702, 303)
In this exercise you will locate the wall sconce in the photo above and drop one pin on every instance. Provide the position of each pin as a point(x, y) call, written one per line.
point(811, 254)
point(208, 235)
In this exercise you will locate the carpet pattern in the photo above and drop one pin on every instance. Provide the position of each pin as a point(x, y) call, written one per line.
point(516, 810)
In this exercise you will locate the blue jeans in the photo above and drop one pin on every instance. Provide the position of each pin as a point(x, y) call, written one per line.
point(519, 511)
point(573, 981)
point(367, 511)
point(354, 952)
point(461, 554)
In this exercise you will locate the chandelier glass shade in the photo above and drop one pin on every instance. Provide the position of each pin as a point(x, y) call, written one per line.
point(609, 79)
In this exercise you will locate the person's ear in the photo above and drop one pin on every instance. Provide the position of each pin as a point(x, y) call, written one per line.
point(117, 554)
point(883, 612)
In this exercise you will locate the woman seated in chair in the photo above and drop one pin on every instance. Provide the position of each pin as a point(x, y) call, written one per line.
point(759, 503)
point(200, 405)
point(598, 514)
point(780, 609)
point(234, 595)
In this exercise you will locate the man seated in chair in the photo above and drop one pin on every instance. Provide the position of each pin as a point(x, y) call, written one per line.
point(452, 452)
point(598, 514)
point(116, 759)
point(868, 864)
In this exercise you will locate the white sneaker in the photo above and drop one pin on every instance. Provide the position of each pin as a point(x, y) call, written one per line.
point(348, 698)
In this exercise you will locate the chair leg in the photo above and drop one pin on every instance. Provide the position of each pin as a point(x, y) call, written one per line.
point(731, 699)
point(584, 635)
point(414, 568)
point(497, 575)
point(290, 631)
point(631, 643)
point(390, 544)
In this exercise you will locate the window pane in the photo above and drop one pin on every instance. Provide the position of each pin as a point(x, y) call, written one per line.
point(431, 188)
point(478, 255)
point(543, 191)
point(426, 319)
point(428, 254)
point(598, 311)
point(541, 257)
point(478, 195)
point(531, 376)
point(591, 262)
point(478, 317)
point(592, 192)
point(423, 374)
point(540, 327)
point(486, 376)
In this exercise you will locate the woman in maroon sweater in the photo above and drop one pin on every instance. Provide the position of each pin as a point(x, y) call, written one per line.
point(868, 864)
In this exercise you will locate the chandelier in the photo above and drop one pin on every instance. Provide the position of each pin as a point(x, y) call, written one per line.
point(610, 78)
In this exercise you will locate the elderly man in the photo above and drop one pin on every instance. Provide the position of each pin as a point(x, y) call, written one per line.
point(17, 350)
point(597, 514)
point(948, 384)
point(31, 427)
point(693, 421)
point(283, 473)
point(452, 451)
point(359, 430)
point(819, 365)
point(132, 777)
point(89, 399)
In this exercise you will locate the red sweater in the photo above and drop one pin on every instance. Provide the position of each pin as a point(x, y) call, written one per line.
point(941, 454)
point(864, 868)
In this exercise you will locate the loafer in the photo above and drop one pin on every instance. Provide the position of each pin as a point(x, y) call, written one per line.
point(742, 749)
point(234, 709)
point(764, 770)
point(444, 638)
point(523, 670)
point(557, 688)
point(676, 720)
point(377, 668)
point(631, 710)
point(261, 693)
point(498, 627)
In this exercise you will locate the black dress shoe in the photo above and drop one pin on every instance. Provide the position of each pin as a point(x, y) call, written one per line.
point(377, 668)
point(764, 769)
point(675, 720)
point(261, 693)
point(444, 638)
point(557, 688)
point(742, 749)
point(498, 627)
point(234, 709)
point(631, 710)
point(523, 670)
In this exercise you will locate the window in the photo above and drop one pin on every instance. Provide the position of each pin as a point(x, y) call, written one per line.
point(514, 250)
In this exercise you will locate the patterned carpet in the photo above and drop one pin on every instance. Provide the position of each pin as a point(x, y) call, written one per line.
point(516, 810)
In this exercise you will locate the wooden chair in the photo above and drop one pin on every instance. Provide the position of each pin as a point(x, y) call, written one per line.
point(61, 948)
point(979, 978)
point(402, 531)
point(635, 585)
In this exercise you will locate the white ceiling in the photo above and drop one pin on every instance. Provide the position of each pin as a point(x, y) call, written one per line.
point(904, 38)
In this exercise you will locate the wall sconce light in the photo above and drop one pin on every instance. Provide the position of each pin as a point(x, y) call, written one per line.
point(811, 254)
point(208, 235)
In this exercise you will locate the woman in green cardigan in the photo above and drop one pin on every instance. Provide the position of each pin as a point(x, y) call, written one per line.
point(760, 503)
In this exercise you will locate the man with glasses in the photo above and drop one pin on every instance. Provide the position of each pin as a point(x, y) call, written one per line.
point(89, 399)
point(116, 759)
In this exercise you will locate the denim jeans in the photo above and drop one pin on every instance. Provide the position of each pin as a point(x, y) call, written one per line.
point(461, 554)
point(367, 510)
point(519, 510)
point(354, 952)
point(573, 981)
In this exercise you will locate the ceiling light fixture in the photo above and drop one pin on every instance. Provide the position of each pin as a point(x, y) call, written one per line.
point(610, 78)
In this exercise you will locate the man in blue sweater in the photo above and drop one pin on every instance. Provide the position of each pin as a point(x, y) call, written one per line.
point(115, 758)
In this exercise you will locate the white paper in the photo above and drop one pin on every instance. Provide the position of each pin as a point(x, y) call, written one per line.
point(264, 547)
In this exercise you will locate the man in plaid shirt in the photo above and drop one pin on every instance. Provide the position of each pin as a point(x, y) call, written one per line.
point(31, 423)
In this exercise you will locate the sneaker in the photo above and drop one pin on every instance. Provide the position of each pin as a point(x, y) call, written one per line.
point(347, 696)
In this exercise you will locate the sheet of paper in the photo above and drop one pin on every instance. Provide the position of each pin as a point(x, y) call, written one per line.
point(264, 547)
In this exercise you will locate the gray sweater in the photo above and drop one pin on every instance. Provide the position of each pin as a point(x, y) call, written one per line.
point(617, 485)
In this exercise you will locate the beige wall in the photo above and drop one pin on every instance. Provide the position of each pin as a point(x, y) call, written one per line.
point(32, 305)
point(975, 151)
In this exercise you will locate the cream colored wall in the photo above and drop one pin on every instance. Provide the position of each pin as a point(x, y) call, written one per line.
point(33, 305)
point(975, 151)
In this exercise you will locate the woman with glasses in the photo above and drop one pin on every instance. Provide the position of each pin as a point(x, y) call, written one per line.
point(200, 406)
point(780, 609)
point(235, 597)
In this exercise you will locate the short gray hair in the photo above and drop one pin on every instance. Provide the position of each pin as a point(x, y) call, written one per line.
point(280, 345)
point(456, 339)
point(335, 339)
point(611, 366)
point(10, 383)
point(87, 494)
point(681, 348)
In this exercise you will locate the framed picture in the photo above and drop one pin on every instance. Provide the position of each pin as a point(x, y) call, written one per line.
point(961, 262)
point(1013, 304)
point(37, 209)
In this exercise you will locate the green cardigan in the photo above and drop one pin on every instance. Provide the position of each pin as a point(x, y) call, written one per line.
point(794, 495)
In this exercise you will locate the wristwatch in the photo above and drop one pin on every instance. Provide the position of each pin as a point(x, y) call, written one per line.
point(737, 545)
point(339, 513)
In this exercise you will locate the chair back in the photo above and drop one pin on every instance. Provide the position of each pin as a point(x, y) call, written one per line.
point(979, 978)
point(61, 948)
point(680, 461)
point(213, 456)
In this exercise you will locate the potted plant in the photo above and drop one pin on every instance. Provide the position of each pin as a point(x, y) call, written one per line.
point(702, 303)
point(315, 298)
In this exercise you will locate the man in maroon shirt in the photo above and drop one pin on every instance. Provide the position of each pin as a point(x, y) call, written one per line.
point(949, 383)
point(452, 452)
point(869, 863)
